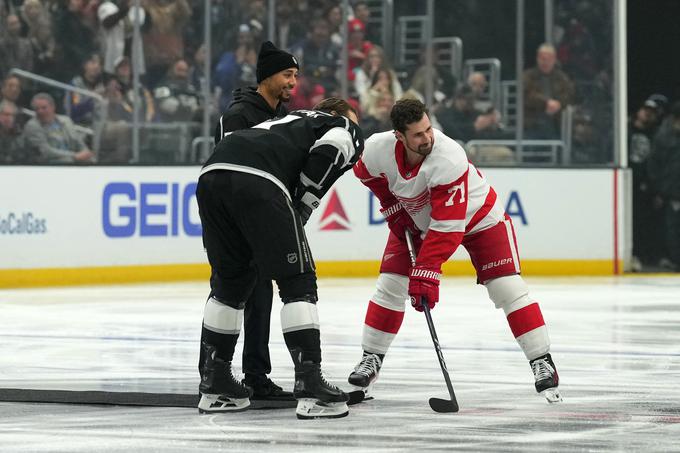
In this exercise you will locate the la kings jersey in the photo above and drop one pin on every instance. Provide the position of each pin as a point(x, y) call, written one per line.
point(446, 195)
point(307, 148)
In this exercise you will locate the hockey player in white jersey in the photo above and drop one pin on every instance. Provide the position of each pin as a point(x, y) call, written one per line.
point(425, 184)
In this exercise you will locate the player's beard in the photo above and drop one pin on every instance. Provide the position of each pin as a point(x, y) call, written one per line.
point(424, 149)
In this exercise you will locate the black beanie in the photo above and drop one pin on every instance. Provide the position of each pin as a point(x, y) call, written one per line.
point(271, 60)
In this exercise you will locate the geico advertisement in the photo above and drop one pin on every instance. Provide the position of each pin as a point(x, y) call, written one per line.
point(63, 217)
point(85, 216)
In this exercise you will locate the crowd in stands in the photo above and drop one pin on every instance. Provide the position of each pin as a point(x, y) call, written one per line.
point(88, 44)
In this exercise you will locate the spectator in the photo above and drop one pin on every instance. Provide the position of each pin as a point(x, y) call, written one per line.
point(377, 117)
point(587, 145)
point(289, 26)
point(116, 137)
point(83, 109)
point(39, 23)
point(76, 41)
point(362, 13)
point(364, 74)
point(163, 40)
point(115, 21)
point(305, 94)
point(664, 178)
point(175, 96)
point(458, 119)
point(577, 52)
point(255, 15)
point(466, 123)
point(11, 89)
point(443, 81)
point(382, 82)
point(236, 69)
point(479, 86)
point(123, 75)
point(334, 18)
point(357, 46)
point(319, 56)
point(53, 136)
point(11, 140)
point(15, 50)
point(547, 90)
point(646, 219)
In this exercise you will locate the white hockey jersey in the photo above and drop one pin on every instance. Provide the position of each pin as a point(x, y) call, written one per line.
point(445, 194)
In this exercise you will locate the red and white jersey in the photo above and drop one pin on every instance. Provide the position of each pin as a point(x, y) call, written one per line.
point(445, 194)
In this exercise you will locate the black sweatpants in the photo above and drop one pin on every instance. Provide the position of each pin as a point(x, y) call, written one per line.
point(252, 234)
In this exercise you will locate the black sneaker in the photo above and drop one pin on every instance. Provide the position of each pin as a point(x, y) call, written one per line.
point(263, 388)
point(546, 378)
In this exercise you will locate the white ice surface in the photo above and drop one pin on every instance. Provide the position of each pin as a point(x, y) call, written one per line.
point(616, 343)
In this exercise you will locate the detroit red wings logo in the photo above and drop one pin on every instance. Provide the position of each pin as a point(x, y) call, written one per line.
point(334, 217)
point(416, 204)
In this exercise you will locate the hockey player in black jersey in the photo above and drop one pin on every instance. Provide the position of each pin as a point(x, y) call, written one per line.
point(255, 193)
point(277, 72)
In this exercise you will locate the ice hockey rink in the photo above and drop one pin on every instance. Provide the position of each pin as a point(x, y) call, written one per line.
point(616, 343)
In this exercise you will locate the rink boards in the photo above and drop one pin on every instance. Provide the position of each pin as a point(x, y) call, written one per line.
point(74, 225)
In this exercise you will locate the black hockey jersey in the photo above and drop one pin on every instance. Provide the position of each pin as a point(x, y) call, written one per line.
point(305, 149)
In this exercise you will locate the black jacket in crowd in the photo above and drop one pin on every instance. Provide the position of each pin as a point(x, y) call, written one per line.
point(247, 109)
point(664, 162)
point(303, 152)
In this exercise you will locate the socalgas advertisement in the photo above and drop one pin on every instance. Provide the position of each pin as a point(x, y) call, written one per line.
point(80, 217)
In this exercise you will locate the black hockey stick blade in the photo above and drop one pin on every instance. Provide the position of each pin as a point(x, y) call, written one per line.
point(355, 397)
point(444, 406)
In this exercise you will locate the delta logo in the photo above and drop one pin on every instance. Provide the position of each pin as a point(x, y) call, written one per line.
point(334, 217)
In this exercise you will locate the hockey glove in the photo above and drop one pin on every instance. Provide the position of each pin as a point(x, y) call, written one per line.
point(398, 221)
point(305, 205)
point(423, 283)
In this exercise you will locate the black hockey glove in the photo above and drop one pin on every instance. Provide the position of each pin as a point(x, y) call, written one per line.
point(304, 205)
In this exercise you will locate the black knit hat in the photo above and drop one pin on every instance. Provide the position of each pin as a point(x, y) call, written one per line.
point(271, 60)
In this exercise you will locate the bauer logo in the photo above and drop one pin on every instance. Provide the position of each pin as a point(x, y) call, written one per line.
point(150, 209)
point(334, 217)
point(24, 223)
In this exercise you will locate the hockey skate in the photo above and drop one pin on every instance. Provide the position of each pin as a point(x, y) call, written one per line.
point(220, 391)
point(546, 377)
point(365, 374)
point(316, 397)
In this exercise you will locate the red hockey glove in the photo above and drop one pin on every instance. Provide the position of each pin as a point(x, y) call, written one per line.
point(398, 221)
point(423, 283)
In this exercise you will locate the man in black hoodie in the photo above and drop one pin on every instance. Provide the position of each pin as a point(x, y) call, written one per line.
point(277, 73)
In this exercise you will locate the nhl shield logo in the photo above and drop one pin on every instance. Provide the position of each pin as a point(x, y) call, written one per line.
point(292, 258)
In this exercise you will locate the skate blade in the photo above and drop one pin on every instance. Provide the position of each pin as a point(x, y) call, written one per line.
point(310, 408)
point(211, 404)
point(552, 395)
point(368, 391)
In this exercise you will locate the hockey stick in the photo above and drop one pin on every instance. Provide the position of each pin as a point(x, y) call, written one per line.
point(437, 404)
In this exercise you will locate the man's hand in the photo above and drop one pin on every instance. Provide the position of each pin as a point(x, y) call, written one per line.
point(552, 106)
point(423, 283)
point(398, 221)
point(84, 155)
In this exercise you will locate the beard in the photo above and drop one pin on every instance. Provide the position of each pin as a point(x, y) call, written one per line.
point(424, 149)
point(284, 95)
